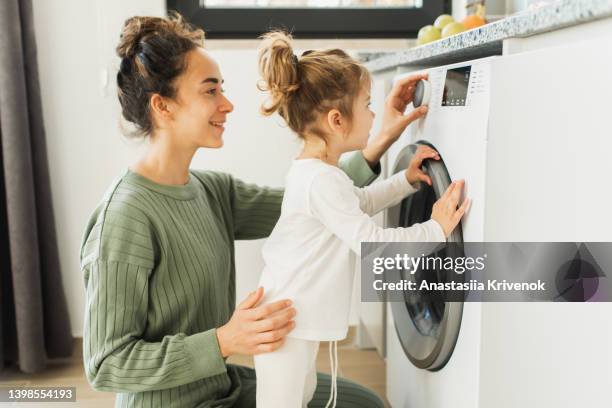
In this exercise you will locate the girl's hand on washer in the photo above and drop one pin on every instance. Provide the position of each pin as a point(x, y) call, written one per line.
point(394, 120)
point(445, 210)
point(414, 173)
point(256, 329)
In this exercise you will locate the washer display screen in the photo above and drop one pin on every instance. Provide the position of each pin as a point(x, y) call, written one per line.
point(456, 86)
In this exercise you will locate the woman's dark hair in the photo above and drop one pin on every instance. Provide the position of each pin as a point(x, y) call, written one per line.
point(152, 52)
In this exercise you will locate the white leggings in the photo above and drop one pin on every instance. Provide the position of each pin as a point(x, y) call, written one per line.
point(287, 377)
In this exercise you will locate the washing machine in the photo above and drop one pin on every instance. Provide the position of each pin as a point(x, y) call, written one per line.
point(446, 357)
point(515, 128)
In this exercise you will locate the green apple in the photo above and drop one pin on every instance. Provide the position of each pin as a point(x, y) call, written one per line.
point(443, 20)
point(452, 29)
point(428, 34)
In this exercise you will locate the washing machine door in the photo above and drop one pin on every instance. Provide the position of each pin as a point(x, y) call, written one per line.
point(427, 326)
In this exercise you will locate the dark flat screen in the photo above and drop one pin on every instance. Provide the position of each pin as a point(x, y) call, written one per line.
point(456, 86)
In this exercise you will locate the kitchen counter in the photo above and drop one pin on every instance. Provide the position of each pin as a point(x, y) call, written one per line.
point(488, 39)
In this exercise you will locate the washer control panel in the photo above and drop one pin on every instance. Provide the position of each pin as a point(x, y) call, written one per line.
point(453, 87)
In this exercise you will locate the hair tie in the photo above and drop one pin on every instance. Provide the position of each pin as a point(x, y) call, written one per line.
point(295, 60)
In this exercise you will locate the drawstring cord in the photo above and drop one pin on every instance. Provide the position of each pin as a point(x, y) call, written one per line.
point(333, 362)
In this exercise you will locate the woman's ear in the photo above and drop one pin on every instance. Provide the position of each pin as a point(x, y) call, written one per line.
point(160, 108)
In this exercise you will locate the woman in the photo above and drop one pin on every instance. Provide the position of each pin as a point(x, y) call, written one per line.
point(158, 252)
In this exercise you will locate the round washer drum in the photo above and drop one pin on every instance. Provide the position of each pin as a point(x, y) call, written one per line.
point(427, 326)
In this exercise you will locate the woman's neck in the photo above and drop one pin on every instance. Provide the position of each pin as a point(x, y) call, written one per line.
point(165, 162)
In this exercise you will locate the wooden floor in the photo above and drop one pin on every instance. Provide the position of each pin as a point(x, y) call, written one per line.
point(363, 366)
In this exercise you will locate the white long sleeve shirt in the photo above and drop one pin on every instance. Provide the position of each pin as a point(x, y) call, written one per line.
point(309, 257)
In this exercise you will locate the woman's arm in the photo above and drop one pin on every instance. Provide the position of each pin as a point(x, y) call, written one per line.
point(359, 169)
point(116, 357)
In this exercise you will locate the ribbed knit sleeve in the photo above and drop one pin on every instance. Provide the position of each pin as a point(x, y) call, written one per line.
point(255, 209)
point(117, 359)
point(357, 168)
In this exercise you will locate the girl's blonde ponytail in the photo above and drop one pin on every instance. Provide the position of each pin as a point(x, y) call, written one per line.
point(302, 89)
point(278, 67)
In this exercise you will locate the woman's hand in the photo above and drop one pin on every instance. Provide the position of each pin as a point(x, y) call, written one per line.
point(445, 210)
point(394, 121)
point(256, 329)
point(414, 172)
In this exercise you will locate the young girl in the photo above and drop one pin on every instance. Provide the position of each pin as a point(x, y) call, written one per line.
point(324, 97)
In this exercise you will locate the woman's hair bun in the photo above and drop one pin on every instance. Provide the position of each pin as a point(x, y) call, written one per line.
point(138, 29)
point(133, 30)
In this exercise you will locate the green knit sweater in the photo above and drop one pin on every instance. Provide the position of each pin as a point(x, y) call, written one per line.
point(159, 270)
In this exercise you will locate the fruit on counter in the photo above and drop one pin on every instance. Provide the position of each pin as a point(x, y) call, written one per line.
point(452, 29)
point(446, 26)
point(443, 20)
point(428, 34)
point(473, 21)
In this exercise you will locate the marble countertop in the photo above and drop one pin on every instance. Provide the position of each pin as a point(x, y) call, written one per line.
point(487, 40)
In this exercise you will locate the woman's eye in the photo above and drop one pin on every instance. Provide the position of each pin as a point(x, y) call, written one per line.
point(213, 91)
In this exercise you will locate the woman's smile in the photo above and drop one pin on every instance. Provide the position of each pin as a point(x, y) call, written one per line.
point(218, 124)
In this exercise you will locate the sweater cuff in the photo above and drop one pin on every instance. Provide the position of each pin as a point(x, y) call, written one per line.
point(204, 353)
point(436, 230)
point(358, 169)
